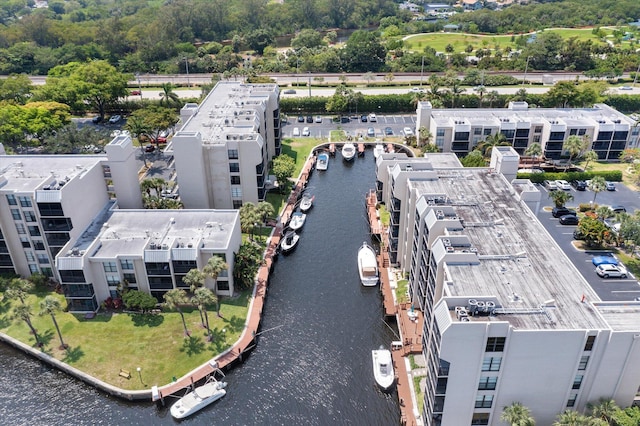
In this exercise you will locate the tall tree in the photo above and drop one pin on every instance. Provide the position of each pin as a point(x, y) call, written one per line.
point(560, 197)
point(597, 185)
point(363, 52)
point(212, 269)
point(574, 145)
point(246, 264)
point(19, 288)
point(24, 313)
point(283, 168)
point(168, 96)
point(195, 279)
point(534, 150)
point(497, 139)
point(174, 299)
point(517, 414)
point(204, 297)
point(49, 306)
point(589, 157)
point(605, 409)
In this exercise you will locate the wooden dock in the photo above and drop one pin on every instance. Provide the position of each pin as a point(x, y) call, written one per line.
point(247, 340)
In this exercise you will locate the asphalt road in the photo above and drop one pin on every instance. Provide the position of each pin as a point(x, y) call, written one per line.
point(614, 289)
point(354, 127)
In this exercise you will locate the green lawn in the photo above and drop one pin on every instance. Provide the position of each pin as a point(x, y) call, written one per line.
point(299, 149)
point(112, 341)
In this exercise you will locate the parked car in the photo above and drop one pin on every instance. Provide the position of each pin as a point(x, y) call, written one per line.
point(300, 119)
point(296, 131)
point(569, 219)
point(363, 118)
point(115, 118)
point(149, 148)
point(371, 132)
point(578, 235)
point(551, 185)
point(601, 260)
point(290, 92)
point(610, 186)
point(407, 131)
point(306, 132)
point(373, 118)
point(607, 270)
point(318, 119)
point(618, 209)
point(345, 119)
point(579, 185)
point(562, 211)
point(563, 184)
point(309, 119)
point(416, 90)
point(136, 93)
point(388, 131)
point(97, 119)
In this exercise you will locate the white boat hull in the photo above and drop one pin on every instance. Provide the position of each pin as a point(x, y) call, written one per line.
point(383, 368)
point(289, 242)
point(197, 399)
point(348, 151)
point(378, 150)
point(306, 203)
point(367, 266)
point(297, 221)
point(323, 161)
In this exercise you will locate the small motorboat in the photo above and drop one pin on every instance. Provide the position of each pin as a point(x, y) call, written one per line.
point(367, 265)
point(348, 151)
point(198, 398)
point(323, 161)
point(378, 150)
point(383, 367)
point(297, 220)
point(306, 203)
point(289, 242)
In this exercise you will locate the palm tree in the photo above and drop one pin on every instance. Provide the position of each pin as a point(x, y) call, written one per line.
point(49, 306)
point(517, 414)
point(173, 299)
point(492, 96)
point(574, 145)
point(248, 217)
point(204, 297)
point(195, 279)
point(168, 96)
point(434, 94)
point(534, 150)
point(497, 139)
point(424, 136)
point(573, 418)
point(24, 313)
point(455, 89)
point(481, 91)
point(560, 198)
point(597, 184)
point(19, 288)
point(417, 97)
point(214, 266)
point(590, 156)
point(137, 127)
point(605, 409)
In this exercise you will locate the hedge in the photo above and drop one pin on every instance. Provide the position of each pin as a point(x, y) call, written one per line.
point(609, 175)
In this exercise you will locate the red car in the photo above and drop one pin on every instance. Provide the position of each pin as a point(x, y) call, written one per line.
point(136, 92)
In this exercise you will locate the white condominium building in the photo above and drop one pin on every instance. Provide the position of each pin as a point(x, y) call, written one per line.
point(607, 131)
point(508, 317)
point(150, 250)
point(223, 149)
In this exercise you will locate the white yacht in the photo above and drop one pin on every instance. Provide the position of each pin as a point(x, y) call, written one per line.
point(367, 265)
point(198, 398)
point(348, 151)
point(383, 367)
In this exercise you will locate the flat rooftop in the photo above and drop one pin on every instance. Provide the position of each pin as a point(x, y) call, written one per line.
point(27, 173)
point(519, 266)
point(231, 108)
point(129, 232)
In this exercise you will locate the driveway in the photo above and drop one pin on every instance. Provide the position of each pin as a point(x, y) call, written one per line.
point(607, 289)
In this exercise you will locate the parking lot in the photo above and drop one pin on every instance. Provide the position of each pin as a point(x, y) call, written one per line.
point(355, 126)
point(612, 289)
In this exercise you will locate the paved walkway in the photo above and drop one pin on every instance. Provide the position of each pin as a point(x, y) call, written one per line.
point(247, 340)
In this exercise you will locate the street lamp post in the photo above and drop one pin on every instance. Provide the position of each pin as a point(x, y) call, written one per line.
point(526, 67)
point(297, 71)
point(139, 85)
point(186, 65)
point(421, 71)
point(139, 370)
point(309, 83)
point(635, 77)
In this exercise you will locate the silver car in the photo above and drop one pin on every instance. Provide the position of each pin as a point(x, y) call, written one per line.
point(607, 270)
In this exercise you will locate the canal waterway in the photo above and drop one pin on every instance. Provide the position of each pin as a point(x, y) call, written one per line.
point(312, 364)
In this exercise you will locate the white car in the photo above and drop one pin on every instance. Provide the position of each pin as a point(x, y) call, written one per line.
point(373, 118)
point(318, 119)
point(296, 131)
point(408, 131)
point(607, 270)
point(563, 184)
point(306, 132)
point(114, 119)
point(417, 90)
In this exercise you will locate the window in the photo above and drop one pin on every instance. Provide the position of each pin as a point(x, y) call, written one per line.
point(72, 276)
point(440, 141)
point(33, 268)
point(236, 192)
point(11, 199)
point(15, 213)
point(126, 264)
point(34, 231)
point(590, 342)
point(130, 278)
point(43, 258)
point(30, 256)
point(38, 245)
point(577, 381)
point(492, 363)
point(582, 132)
point(24, 201)
point(25, 242)
point(113, 279)
point(461, 136)
point(110, 267)
point(484, 401)
point(537, 129)
point(480, 419)
point(572, 400)
point(583, 363)
point(233, 154)
point(477, 131)
point(237, 204)
point(495, 344)
point(234, 167)
point(536, 138)
point(487, 383)
point(235, 180)
point(29, 216)
point(573, 132)
point(440, 132)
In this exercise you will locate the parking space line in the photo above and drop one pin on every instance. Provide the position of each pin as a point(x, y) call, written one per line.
point(624, 291)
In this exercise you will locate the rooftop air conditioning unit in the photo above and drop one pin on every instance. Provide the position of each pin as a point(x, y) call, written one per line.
point(446, 242)
point(465, 319)
point(450, 249)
